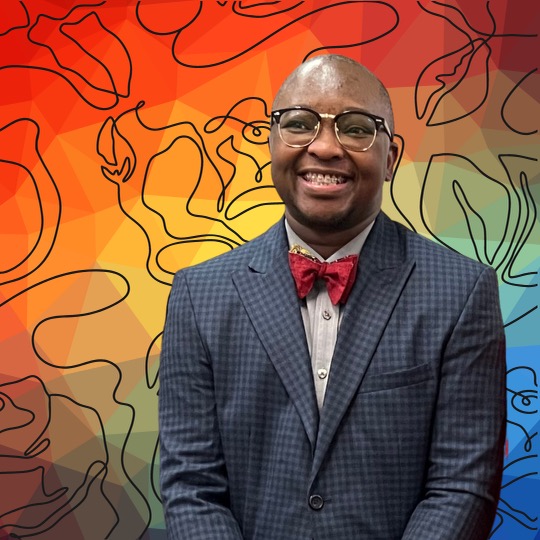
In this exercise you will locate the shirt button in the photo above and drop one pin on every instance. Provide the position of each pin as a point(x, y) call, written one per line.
point(322, 373)
point(316, 502)
point(326, 315)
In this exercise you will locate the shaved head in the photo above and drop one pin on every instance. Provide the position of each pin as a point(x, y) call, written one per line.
point(327, 69)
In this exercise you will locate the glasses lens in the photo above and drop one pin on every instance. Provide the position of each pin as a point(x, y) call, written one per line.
point(298, 127)
point(356, 131)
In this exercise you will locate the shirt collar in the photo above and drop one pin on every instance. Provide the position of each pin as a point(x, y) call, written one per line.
point(354, 247)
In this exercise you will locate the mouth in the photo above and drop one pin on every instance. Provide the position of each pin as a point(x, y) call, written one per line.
point(319, 179)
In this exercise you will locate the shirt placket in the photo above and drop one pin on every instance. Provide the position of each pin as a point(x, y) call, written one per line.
point(324, 330)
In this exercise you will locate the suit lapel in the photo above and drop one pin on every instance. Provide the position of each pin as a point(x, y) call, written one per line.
point(383, 273)
point(268, 293)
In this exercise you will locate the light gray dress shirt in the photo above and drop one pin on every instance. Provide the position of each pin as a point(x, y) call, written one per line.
point(321, 318)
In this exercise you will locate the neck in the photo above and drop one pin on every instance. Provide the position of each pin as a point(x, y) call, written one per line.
point(326, 242)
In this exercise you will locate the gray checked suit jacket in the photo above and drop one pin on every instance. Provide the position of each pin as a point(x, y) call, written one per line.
point(409, 442)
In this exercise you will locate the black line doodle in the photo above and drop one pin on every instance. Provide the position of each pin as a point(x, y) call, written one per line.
point(105, 75)
point(522, 402)
point(22, 137)
point(497, 239)
point(518, 318)
point(401, 149)
point(526, 204)
point(10, 18)
point(270, 20)
point(131, 148)
point(472, 180)
point(508, 99)
point(454, 81)
point(152, 357)
point(55, 505)
point(39, 444)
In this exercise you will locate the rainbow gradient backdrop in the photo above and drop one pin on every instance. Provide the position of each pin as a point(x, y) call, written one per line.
point(133, 143)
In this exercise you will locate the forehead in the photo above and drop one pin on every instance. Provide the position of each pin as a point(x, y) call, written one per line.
point(331, 88)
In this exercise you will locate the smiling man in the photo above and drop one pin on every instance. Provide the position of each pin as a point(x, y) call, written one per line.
point(339, 377)
point(330, 171)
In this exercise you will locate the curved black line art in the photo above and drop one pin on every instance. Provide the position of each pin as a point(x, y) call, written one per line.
point(455, 79)
point(154, 476)
point(131, 149)
point(401, 149)
point(336, 46)
point(384, 15)
point(508, 98)
point(263, 9)
point(256, 132)
point(519, 317)
point(14, 139)
point(497, 238)
point(9, 18)
point(526, 396)
point(525, 205)
point(101, 81)
point(152, 372)
point(523, 403)
point(59, 503)
point(527, 446)
point(100, 469)
point(152, 379)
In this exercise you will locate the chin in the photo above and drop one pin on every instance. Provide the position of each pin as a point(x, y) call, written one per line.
point(325, 223)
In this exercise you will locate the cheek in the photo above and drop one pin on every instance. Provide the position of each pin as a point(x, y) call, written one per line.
point(279, 178)
point(283, 160)
point(282, 186)
point(374, 165)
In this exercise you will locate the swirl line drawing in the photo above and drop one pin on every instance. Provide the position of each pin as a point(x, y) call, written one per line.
point(461, 59)
point(99, 77)
point(521, 467)
point(379, 8)
point(508, 98)
point(47, 196)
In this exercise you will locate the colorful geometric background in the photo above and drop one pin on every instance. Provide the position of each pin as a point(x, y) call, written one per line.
point(133, 143)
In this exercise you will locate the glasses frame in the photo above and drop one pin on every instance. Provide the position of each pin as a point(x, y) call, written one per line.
point(380, 123)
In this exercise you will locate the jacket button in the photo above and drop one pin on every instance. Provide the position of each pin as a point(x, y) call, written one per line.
point(316, 502)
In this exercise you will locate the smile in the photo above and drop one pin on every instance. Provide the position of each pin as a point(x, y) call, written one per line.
point(324, 179)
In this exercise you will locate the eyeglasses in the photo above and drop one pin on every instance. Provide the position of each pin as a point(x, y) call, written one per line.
point(355, 130)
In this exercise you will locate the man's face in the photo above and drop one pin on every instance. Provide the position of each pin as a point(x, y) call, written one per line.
point(318, 202)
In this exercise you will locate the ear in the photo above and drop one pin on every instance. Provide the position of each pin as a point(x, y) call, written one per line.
point(393, 158)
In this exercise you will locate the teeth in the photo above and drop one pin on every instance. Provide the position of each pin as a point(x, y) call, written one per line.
point(324, 179)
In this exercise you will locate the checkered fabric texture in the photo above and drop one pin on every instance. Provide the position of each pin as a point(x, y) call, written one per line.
point(409, 442)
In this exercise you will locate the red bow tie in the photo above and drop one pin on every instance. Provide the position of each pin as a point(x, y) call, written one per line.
point(339, 275)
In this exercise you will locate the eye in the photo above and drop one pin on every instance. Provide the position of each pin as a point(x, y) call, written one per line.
point(356, 125)
point(356, 131)
point(298, 121)
point(295, 125)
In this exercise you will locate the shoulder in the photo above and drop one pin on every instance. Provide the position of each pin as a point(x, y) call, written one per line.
point(438, 270)
point(443, 277)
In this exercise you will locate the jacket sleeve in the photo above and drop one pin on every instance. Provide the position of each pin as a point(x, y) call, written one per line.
point(193, 474)
point(464, 470)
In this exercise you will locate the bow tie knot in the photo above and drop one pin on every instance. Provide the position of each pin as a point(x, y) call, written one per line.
point(339, 275)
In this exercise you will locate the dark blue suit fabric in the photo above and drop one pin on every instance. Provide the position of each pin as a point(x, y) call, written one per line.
point(409, 442)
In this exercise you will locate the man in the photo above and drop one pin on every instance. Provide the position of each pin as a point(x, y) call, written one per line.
point(374, 416)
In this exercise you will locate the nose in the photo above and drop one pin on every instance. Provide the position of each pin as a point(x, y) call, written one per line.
point(326, 145)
